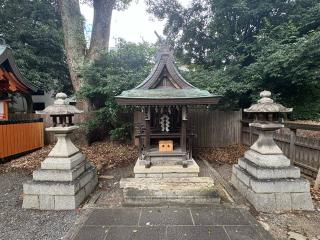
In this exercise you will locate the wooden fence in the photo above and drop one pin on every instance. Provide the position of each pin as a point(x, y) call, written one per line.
point(211, 128)
point(17, 137)
point(215, 128)
point(49, 137)
point(304, 152)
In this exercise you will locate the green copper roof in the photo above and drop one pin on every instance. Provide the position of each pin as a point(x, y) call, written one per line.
point(165, 86)
point(165, 93)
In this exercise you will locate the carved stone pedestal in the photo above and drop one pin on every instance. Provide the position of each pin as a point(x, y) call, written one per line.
point(266, 178)
point(65, 179)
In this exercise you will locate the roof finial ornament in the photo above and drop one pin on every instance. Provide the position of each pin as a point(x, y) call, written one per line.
point(164, 47)
point(161, 39)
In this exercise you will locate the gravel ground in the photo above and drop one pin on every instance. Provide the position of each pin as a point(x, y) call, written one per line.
point(17, 223)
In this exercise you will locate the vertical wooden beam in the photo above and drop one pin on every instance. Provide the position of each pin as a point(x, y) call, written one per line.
point(147, 119)
point(183, 139)
point(292, 147)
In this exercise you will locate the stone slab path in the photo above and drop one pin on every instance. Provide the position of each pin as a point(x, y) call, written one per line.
point(215, 222)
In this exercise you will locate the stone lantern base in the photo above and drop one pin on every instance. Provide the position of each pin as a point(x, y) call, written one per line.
point(65, 179)
point(266, 178)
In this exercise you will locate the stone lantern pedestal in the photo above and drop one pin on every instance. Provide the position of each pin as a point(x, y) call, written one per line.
point(266, 178)
point(65, 178)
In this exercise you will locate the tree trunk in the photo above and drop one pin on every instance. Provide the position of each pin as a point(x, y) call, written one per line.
point(101, 28)
point(28, 98)
point(74, 39)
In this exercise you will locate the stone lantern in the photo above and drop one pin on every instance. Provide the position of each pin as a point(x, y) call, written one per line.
point(66, 178)
point(264, 175)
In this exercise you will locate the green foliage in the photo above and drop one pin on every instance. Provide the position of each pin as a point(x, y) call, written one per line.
point(121, 133)
point(120, 69)
point(240, 47)
point(33, 31)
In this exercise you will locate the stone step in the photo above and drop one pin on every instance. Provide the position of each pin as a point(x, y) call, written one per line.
point(166, 160)
point(280, 185)
point(149, 191)
point(164, 171)
point(269, 160)
point(50, 195)
point(60, 175)
point(59, 188)
point(268, 172)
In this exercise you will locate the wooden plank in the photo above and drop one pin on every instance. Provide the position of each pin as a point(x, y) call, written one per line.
point(20, 137)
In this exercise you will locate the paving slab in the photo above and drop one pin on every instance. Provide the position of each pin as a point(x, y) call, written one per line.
point(218, 217)
point(92, 232)
point(242, 233)
point(114, 217)
point(165, 216)
point(170, 223)
point(196, 232)
point(136, 233)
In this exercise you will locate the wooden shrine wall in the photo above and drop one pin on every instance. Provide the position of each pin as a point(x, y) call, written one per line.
point(213, 128)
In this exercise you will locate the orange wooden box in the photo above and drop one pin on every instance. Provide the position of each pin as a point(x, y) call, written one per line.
point(165, 146)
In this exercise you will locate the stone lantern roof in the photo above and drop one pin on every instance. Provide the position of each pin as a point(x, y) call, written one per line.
point(60, 107)
point(267, 105)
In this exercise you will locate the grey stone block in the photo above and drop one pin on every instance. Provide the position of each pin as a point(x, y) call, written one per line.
point(58, 175)
point(58, 188)
point(83, 180)
point(277, 160)
point(63, 162)
point(30, 201)
point(269, 172)
point(280, 186)
point(283, 201)
point(182, 175)
point(46, 202)
point(301, 201)
point(153, 175)
point(270, 199)
point(264, 202)
point(242, 162)
point(91, 185)
point(240, 186)
point(50, 188)
point(69, 202)
point(161, 190)
point(140, 175)
point(241, 175)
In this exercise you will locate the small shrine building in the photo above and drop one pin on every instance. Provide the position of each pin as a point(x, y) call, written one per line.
point(11, 81)
point(164, 97)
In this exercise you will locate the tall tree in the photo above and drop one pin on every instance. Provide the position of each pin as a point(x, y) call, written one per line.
point(242, 46)
point(74, 37)
point(33, 30)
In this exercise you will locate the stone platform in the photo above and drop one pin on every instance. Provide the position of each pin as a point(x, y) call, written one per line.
point(270, 183)
point(149, 191)
point(165, 171)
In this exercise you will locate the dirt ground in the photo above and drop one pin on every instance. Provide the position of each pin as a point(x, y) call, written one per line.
point(104, 155)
